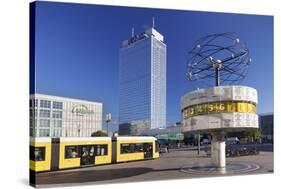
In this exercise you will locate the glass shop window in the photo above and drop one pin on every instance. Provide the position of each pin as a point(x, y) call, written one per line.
point(57, 114)
point(45, 104)
point(44, 132)
point(44, 113)
point(57, 105)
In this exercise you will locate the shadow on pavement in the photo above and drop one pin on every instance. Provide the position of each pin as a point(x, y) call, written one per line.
point(93, 175)
point(89, 176)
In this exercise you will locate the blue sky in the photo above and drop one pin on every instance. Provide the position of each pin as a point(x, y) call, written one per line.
point(77, 50)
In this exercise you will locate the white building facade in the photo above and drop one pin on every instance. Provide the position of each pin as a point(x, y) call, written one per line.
point(142, 82)
point(53, 116)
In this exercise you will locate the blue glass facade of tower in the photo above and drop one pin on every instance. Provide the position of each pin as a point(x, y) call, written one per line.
point(142, 83)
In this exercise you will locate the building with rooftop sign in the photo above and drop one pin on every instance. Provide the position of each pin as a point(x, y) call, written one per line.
point(53, 116)
point(142, 83)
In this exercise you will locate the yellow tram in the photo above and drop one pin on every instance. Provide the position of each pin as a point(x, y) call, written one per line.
point(50, 154)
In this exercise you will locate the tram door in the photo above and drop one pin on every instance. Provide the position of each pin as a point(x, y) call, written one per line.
point(55, 154)
point(147, 147)
point(87, 155)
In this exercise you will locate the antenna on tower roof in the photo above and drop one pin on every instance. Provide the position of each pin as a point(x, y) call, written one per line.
point(133, 32)
point(153, 22)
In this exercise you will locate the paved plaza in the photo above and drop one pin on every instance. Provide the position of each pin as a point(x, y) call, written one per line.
point(172, 165)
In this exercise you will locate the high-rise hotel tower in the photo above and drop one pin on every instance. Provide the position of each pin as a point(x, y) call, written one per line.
point(142, 83)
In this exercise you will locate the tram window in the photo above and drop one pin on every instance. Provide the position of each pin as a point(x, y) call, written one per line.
point(84, 151)
point(125, 148)
point(92, 151)
point(31, 153)
point(147, 147)
point(101, 150)
point(71, 152)
point(131, 148)
point(37, 153)
point(138, 147)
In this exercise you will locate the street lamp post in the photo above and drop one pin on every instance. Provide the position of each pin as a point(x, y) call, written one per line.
point(107, 119)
